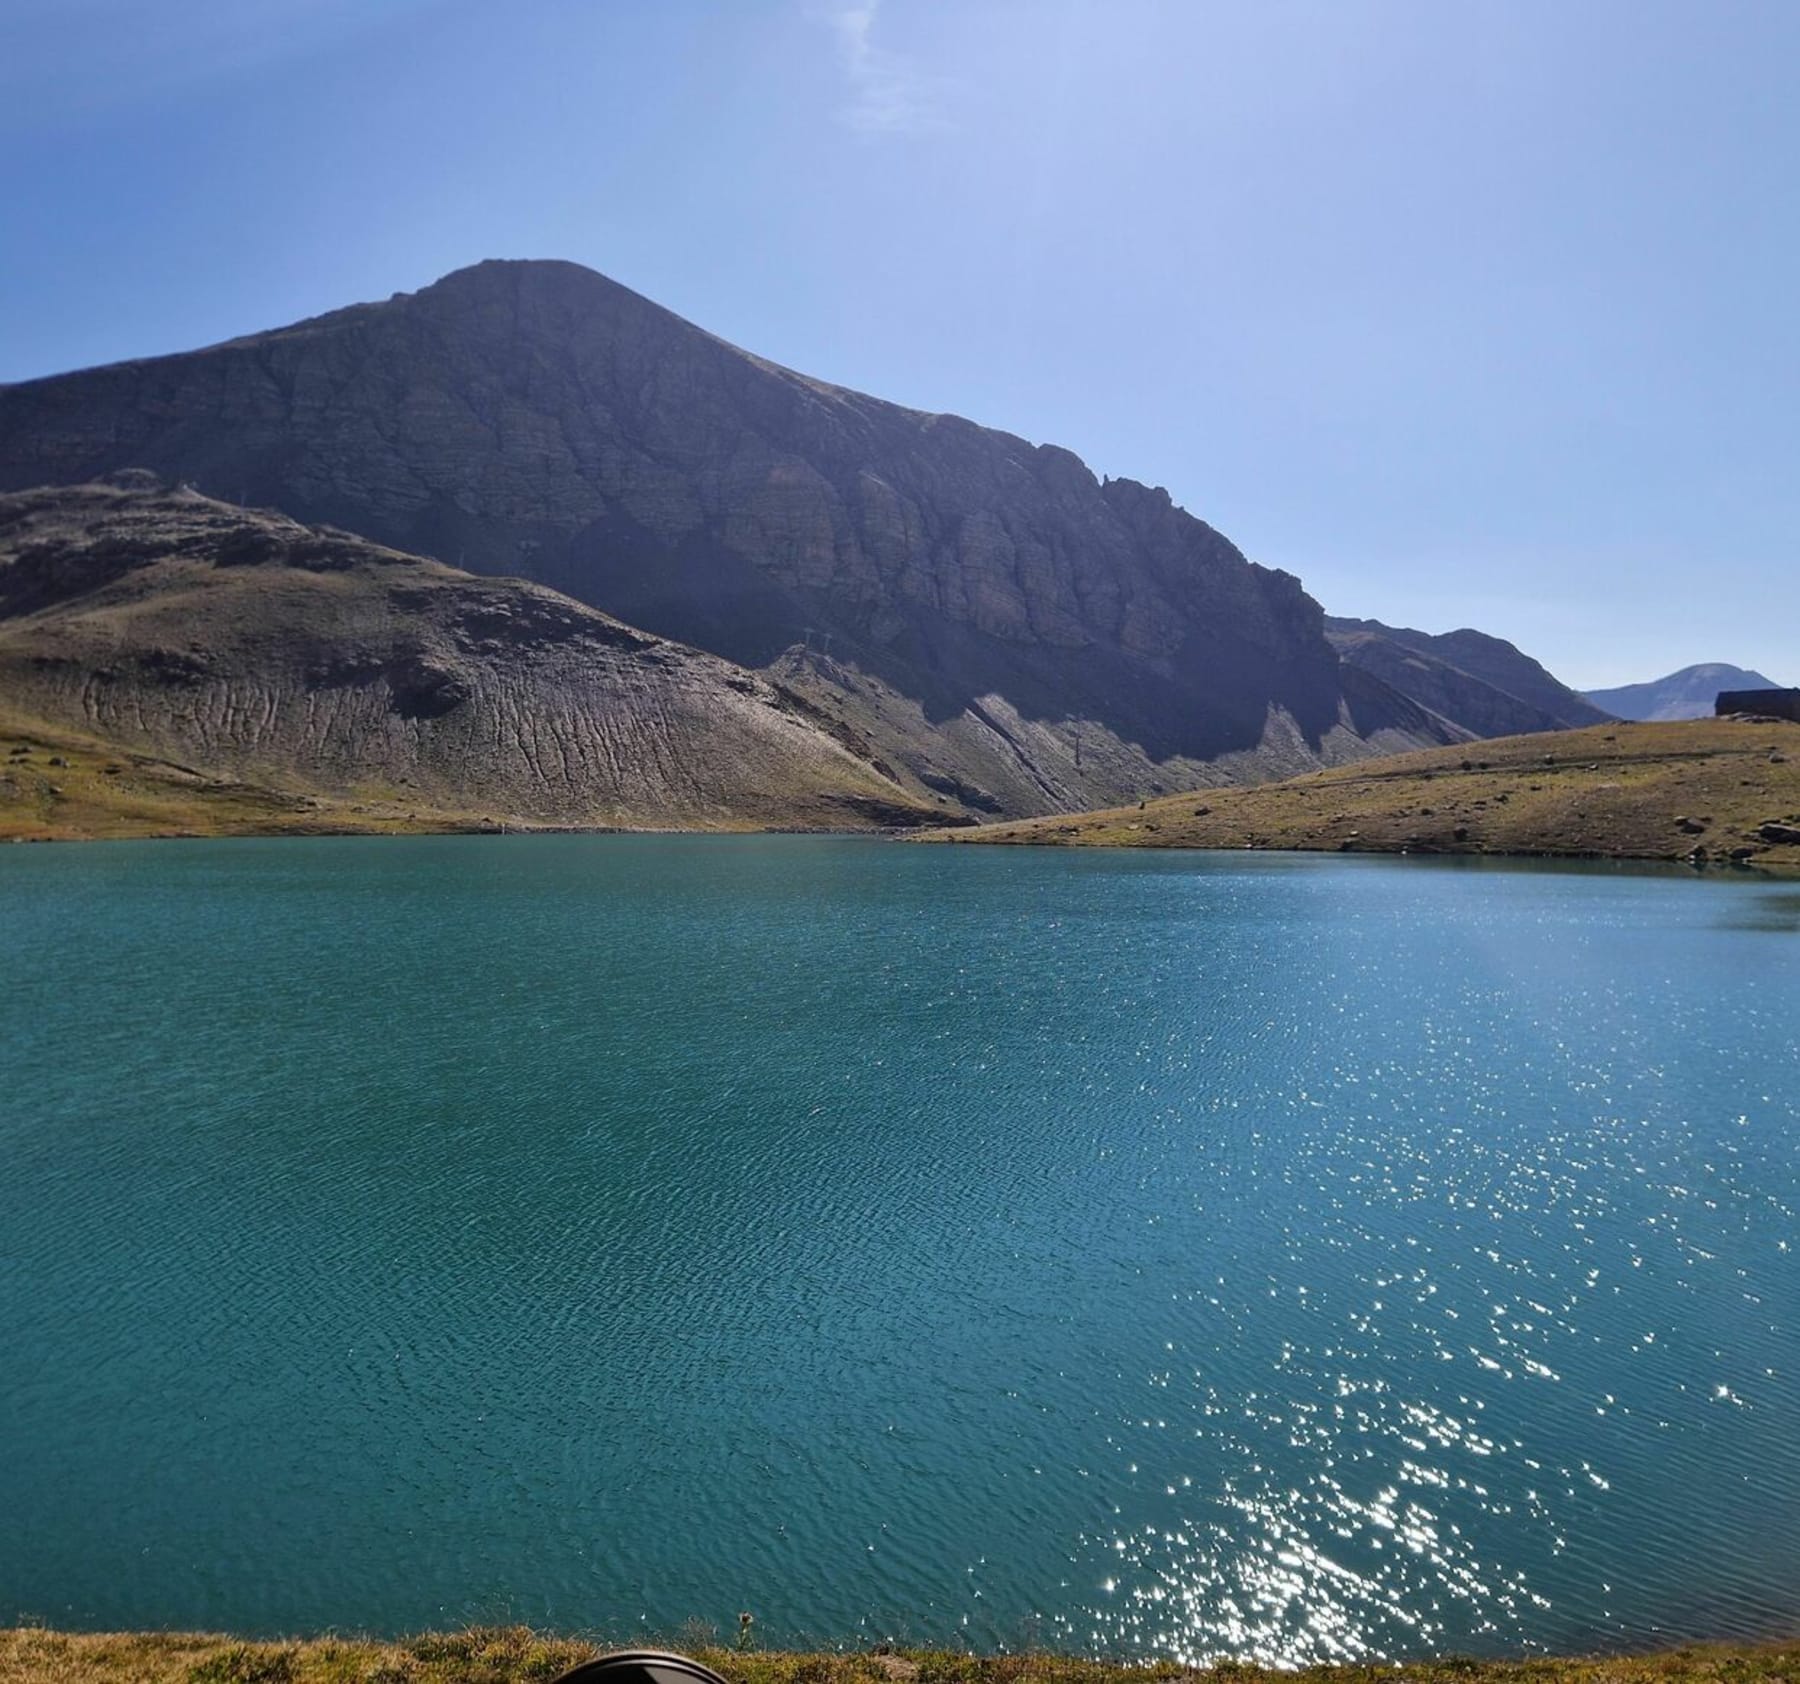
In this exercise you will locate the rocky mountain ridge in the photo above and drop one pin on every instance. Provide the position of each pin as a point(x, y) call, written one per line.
point(992, 619)
point(1483, 684)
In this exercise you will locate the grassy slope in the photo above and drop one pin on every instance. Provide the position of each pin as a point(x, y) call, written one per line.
point(1606, 791)
point(100, 791)
point(498, 1656)
point(318, 682)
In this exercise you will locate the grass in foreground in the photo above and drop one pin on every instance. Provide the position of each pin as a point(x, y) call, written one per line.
point(1702, 789)
point(500, 1655)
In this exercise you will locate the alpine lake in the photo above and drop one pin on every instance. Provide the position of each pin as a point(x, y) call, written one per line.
point(1282, 1257)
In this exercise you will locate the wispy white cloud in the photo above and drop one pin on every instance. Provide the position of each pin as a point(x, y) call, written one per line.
point(888, 92)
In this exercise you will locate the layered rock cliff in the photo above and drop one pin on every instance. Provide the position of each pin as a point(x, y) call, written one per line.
point(1017, 633)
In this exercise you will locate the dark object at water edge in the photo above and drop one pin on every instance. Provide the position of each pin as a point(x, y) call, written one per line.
point(1774, 704)
point(641, 1666)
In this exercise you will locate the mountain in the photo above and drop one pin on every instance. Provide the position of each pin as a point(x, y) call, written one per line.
point(1481, 683)
point(997, 624)
point(1688, 694)
point(239, 645)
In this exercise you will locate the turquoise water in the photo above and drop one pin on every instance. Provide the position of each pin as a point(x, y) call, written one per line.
point(1197, 1254)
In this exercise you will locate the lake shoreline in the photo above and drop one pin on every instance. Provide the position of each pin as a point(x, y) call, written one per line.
point(1750, 870)
point(1715, 795)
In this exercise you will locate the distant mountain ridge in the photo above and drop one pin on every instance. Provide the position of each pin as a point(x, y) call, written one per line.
point(1483, 684)
point(1687, 694)
point(993, 622)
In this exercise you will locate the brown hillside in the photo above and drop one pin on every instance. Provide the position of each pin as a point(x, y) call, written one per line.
point(1710, 791)
point(168, 662)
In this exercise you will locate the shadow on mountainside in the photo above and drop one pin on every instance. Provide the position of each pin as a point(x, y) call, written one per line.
point(1211, 698)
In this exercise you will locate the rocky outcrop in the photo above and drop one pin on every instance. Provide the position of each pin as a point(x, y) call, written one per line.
point(1484, 685)
point(1026, 630)
point(246, 643)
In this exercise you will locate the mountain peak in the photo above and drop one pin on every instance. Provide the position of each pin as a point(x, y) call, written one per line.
point(544, 275)
point(1687, 694)
point(998, 623)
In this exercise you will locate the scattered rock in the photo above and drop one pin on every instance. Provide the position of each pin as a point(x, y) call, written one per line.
point(1775, 831)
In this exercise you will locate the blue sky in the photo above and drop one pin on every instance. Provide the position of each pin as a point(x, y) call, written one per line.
point(1467, 313)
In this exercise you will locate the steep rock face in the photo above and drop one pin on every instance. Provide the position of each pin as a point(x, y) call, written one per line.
point(1483, 684)
point(247, 643)
point(1687, 694)
point(536, 418)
